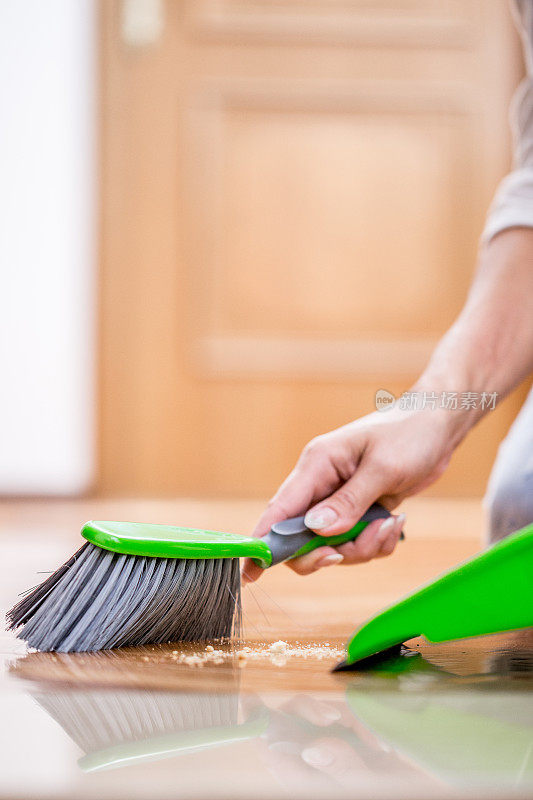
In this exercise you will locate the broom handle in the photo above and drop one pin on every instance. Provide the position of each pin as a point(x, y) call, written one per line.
point(291, 537)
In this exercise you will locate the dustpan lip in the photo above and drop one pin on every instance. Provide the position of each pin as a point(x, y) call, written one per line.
point(171, 541)
point(366, 642)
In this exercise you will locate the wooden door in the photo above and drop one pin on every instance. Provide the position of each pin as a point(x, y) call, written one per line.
point(292, 194)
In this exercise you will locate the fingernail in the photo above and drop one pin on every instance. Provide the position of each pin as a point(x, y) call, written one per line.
point(329, 714)
point(388, 526)
point(329, 561)
point(400, 521)
point(319, 518)
point(318, 756)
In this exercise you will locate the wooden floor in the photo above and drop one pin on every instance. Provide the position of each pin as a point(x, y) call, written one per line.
point(265, 717)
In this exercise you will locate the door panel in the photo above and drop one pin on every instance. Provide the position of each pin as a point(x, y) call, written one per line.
point(292, 195)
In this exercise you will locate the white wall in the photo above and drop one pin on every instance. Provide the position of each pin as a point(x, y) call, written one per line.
point(47, 245)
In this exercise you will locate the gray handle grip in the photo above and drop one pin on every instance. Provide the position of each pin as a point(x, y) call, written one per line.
point(287, 537)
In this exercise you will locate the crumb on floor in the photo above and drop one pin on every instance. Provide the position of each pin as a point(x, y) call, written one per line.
point(278, 654)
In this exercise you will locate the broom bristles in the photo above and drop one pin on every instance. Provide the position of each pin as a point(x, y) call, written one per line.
point(99, 600)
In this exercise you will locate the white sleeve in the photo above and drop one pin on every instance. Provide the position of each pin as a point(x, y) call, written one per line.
point(513, 203)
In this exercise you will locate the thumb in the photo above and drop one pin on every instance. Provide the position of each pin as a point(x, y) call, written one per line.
point(343, 509)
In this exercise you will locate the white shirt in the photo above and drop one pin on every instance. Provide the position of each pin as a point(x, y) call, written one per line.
point(513, 203)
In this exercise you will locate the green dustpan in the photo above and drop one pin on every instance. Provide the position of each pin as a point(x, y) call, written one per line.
point(490, 593)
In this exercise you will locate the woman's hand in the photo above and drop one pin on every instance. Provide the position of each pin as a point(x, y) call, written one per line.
point(389, 455)
point(384, 456)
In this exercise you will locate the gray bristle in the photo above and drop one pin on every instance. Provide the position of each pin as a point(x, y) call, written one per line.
point(99, 600)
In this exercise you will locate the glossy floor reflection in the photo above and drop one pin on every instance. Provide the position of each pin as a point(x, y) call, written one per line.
point(444, 720)
point(452, 721)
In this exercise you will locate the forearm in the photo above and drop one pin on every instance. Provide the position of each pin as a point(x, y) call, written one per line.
point(489, 348)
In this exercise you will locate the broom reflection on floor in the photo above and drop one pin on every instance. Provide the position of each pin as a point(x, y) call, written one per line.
point(417, 720)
